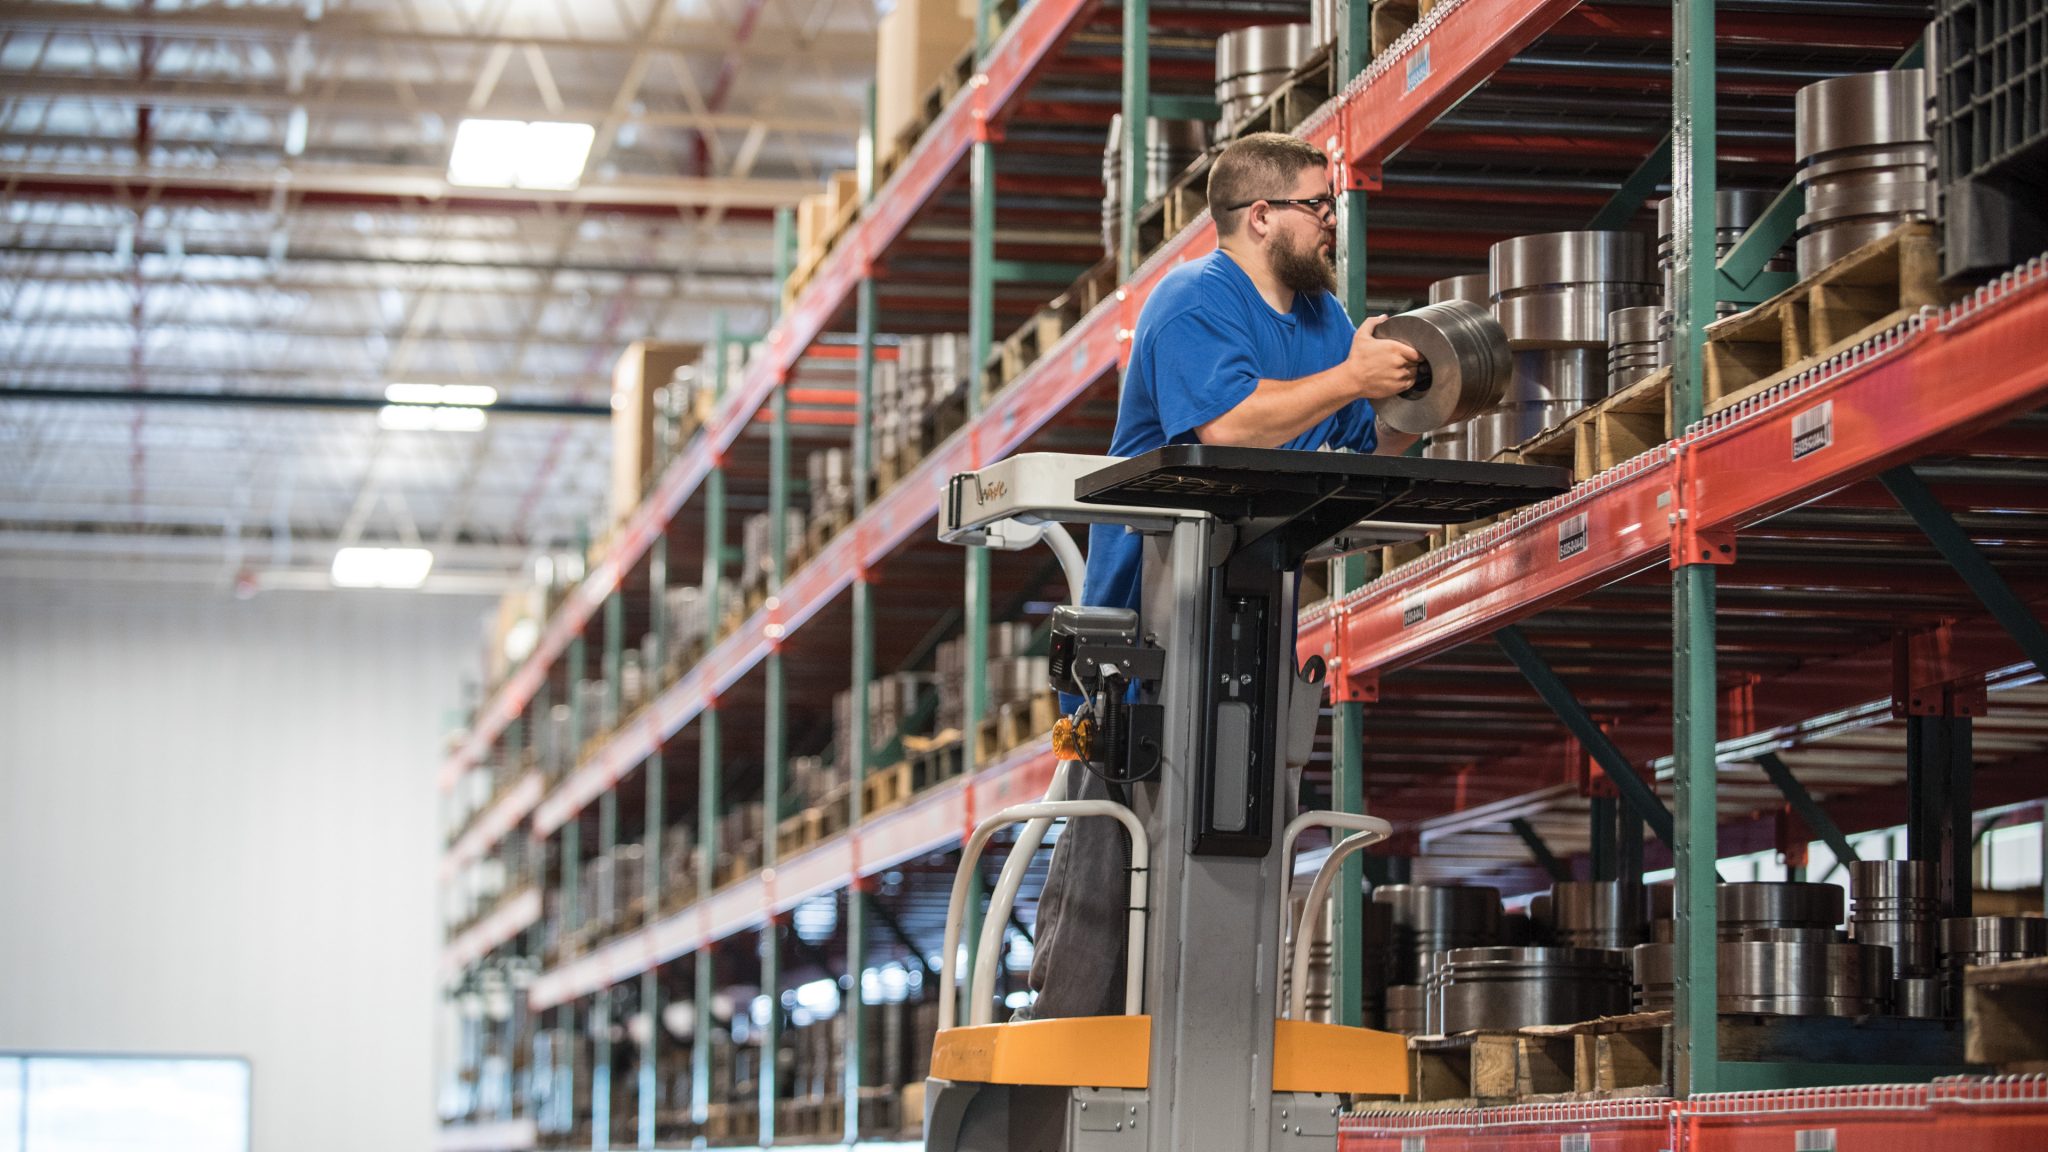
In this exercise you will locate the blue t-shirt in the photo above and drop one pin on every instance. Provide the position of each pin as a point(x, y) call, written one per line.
point(1205, 339)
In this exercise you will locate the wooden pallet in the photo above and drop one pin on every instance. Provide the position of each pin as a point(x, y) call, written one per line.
point(733, 1123)
point(910, 1104)
point(882, 1115)
point(1622, 1056)
point(819, 530)
point(816, 1117)
point(885, 789)
point(1623, 426)
point(811, 825)
point(2005, 1016)
point(1473, 1067)
point(1849, 301)
point(736, 868)
point(1016, 723)
point(932, 759)
point(1022, 348)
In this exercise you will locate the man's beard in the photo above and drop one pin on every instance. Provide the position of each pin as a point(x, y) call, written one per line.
point(1306, 271)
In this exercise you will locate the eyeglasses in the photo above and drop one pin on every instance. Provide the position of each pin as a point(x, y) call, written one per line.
point(1324, 206)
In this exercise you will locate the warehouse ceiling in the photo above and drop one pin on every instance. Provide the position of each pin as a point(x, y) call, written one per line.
point(253, 199)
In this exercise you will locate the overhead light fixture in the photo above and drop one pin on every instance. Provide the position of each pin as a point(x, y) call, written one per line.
point(464, 395)
point(519, 153)
point(359, 567)
point(430, 418)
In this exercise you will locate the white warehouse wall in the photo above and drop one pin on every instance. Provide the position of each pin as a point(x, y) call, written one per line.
point(218, 835)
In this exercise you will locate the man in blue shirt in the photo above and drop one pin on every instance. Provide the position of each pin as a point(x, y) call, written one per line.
point(1247, 346)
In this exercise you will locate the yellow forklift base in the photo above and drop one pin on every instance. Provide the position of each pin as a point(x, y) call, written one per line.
point(1112, 1052)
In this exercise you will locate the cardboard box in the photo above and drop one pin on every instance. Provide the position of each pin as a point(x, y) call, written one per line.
point(644, 366)
point(918, 40)
point(813, 214)
point(845, 194)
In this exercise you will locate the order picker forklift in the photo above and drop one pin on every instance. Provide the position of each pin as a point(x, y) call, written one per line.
point(1196, 707)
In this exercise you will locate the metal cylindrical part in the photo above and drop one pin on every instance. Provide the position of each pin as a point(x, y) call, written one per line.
point(2008, 937)
point(1556, 289)
point(1790, 936)
point(1636, 346)
point(1864, 161)
point(1427, 919)
point(1407, 1009)
point(1803, 979)
point(1917, 996)
point(1777, 905)
point(1506, 988)
point(1546, 388)
point(1474, 288)
point(1893, 904)
point(1465, 367)
point(1597, 913)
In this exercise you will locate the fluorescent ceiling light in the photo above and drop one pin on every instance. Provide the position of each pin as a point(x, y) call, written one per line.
point(519, 153)
point(430, 418)
point(381, 567)
point(467, 395)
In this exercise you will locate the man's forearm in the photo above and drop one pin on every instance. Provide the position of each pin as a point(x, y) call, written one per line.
point(1279, 410)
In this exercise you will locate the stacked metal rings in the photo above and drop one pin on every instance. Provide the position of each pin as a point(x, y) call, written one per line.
point(1553, 293)
point(1973, 941)
point(1252, 64)
point(1864, 160)
point(1519, 987)
point(1635, 346)
point(1893, 905)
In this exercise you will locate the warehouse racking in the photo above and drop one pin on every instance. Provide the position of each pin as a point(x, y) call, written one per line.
point(1728, 600)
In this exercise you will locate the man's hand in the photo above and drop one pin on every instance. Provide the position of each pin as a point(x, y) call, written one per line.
point(1380, 368)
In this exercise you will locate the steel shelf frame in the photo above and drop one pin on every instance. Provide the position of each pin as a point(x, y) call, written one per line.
point(1677, 507)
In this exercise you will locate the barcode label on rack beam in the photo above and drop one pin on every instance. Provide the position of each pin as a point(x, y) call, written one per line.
point(1813, 1140)
point(1813, 429)
point(1418, 67)
point(1571, 537)
point(1414, 1144)
point(1575, 1142)
point(1414, 612)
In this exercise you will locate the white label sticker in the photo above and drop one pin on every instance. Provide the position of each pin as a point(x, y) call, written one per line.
point(1813, 1140)
point(1418, 67)
point(1813, 429)
point(1575, 1142)
point(1414, 1144)
point(1414, 612)
point(1571, 537)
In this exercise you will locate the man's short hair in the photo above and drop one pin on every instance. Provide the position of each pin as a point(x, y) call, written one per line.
point(1258, 167)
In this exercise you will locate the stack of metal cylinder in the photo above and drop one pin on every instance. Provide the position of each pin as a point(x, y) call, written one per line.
point(1375, 937)
point(1866, 161)
point(929, 373)
point(1553, 294)
point(1606, 914)
point(830, 476)
point(1894, 905)
point(1735, 210)
point(1428, 920)
point(1972, 941)
point(1636, 345)
point(1012, 674)
point(1170, 146)
point(757, 547)
point(1252, 64)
